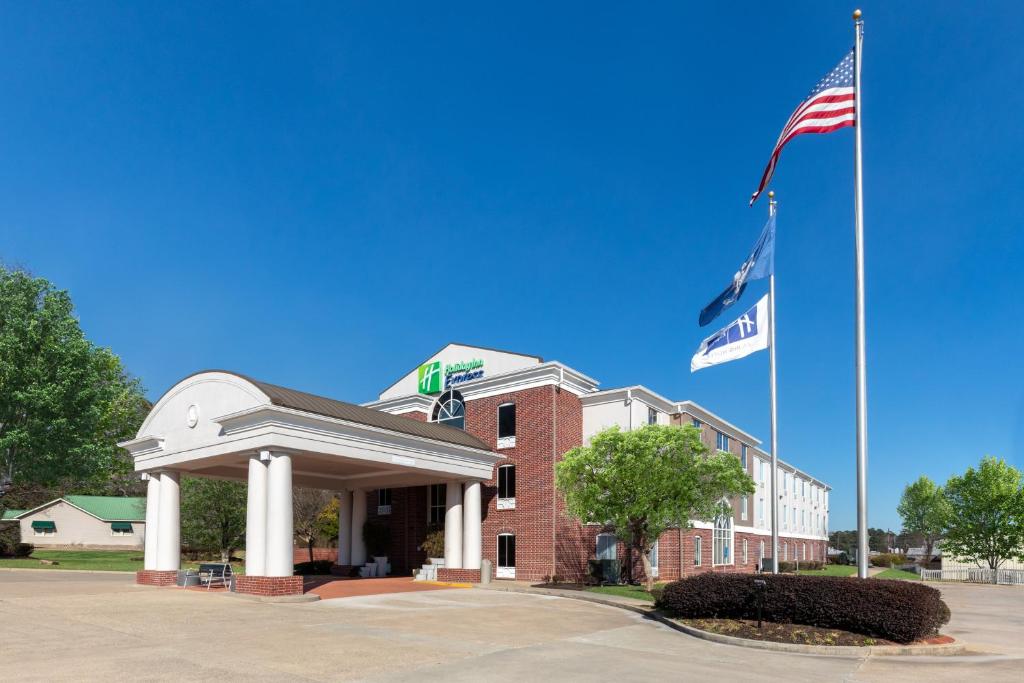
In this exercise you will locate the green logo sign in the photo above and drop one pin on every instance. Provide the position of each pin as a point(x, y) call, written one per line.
point(429, 376)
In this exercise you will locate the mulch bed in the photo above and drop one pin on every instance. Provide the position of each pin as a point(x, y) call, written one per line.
point(784, 633)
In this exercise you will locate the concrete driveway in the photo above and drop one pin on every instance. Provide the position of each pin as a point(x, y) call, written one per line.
point(75, 626)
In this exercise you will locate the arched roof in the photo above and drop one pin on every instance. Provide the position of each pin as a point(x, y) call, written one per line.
point(294, 399)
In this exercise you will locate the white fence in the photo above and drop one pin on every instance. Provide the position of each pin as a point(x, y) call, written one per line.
point(1014, 577)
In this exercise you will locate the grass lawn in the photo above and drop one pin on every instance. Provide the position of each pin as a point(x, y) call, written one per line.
point(637, 592)
point(832, 570)
point(106, 560)
point(96, 560)
point(898, 574)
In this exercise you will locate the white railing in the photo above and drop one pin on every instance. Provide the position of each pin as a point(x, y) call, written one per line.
point(1013, 577)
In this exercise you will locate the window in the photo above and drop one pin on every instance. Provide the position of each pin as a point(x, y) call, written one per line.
point(723, 442)
point(607, 547)
point(696, 423)
point(507, 487)
point(744, 551)
point(652, 416)
point(722, 545)
point(507, 425)
point(696, 551)
point(436, 503)
point(760, 511)
point(785, 552)
point(121, 529)
point(785, 516)
point(743, 456)
point(450, 410)
point(803, 551)
point(760, 471)
point(760, 551)
point(506, 556)
point(794, 518)
point(652, 557)
point(743, 508)
point(44, 528)
point(383, 501)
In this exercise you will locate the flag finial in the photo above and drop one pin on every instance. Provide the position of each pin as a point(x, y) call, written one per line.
point(771, 194)
point(856, 15)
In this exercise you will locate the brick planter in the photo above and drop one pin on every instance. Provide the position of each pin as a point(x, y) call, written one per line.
point(458, 575)
point(269, 586)
point(153, 577)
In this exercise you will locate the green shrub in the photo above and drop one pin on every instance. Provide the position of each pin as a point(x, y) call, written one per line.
point(23, 549)
point(887, 560)
point(316, 567)
point(901, 611)
point(792, 566)
point(433, 543)
point(841, 558)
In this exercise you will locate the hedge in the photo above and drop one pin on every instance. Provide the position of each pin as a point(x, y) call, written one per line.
point(901, 611)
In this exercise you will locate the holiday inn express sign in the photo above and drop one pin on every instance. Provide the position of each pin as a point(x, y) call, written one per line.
point(432, 380)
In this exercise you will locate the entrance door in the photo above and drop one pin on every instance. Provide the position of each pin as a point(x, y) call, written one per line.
point(506, 556)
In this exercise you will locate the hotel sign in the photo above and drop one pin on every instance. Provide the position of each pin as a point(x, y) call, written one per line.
point(432, 378)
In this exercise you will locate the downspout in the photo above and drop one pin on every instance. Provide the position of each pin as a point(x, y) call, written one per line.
point(629, 404)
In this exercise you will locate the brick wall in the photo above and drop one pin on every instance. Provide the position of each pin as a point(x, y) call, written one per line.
point(532, 520)
point(152, 577)
point(458, 575)
point(549, 422)
point(268, 586)
point(300, 554)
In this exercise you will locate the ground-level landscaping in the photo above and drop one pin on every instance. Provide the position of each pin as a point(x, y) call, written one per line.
point(798, 634)
point(624, 591)
point(94, 560)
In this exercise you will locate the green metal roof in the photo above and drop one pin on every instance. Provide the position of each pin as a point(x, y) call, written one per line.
point(111, 508)
point(11, 514)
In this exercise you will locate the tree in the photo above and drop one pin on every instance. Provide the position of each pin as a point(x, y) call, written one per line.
point(924, 512)
point(308, 506)
point(213, 515)
point(985, 521)
point(647, 480)
point(64, 402)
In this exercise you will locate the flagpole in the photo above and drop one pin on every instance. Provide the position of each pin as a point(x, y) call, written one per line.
point(771, 400)
point(861, 360)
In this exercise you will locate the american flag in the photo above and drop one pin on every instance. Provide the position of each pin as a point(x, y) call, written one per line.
point(829, 107)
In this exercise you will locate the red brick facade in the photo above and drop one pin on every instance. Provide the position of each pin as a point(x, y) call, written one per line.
point(153, 577)
point(458, 575)
point(268, 586)
point(549, 422)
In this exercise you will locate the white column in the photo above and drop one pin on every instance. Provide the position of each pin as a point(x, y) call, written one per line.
point(256, 519)
point(168, 551)
point(453, 525)
point(345, 528)
point(472, 522)
point(280, 536)
point(152, 520)
point(356, 530)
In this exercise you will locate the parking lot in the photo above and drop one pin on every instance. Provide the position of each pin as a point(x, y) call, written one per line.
point(73, 625)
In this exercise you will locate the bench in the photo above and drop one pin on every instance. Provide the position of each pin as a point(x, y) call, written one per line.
point(212, 573)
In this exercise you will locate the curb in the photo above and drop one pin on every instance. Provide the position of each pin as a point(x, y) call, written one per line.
point(955, 648)
point(448, 584)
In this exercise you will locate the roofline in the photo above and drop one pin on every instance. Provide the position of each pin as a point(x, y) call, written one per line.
point(102, 519)
point(686, 406)
point(667, 405)
point(445, 346)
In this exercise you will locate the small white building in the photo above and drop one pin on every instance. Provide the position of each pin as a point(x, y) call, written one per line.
point(86, 522)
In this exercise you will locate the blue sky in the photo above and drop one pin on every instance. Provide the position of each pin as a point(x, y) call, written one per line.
point(320, 197)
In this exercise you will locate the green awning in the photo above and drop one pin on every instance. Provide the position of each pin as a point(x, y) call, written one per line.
point(43, 525)
point(121, 526)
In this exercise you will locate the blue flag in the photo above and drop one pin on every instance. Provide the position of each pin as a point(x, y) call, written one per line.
point(760, 264)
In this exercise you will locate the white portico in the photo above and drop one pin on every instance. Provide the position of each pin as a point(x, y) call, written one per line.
point(228, 426)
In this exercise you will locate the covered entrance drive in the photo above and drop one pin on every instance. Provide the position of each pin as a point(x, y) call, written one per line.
point(228, 426)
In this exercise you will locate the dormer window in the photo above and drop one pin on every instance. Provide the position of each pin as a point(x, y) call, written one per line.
point(450, 410)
